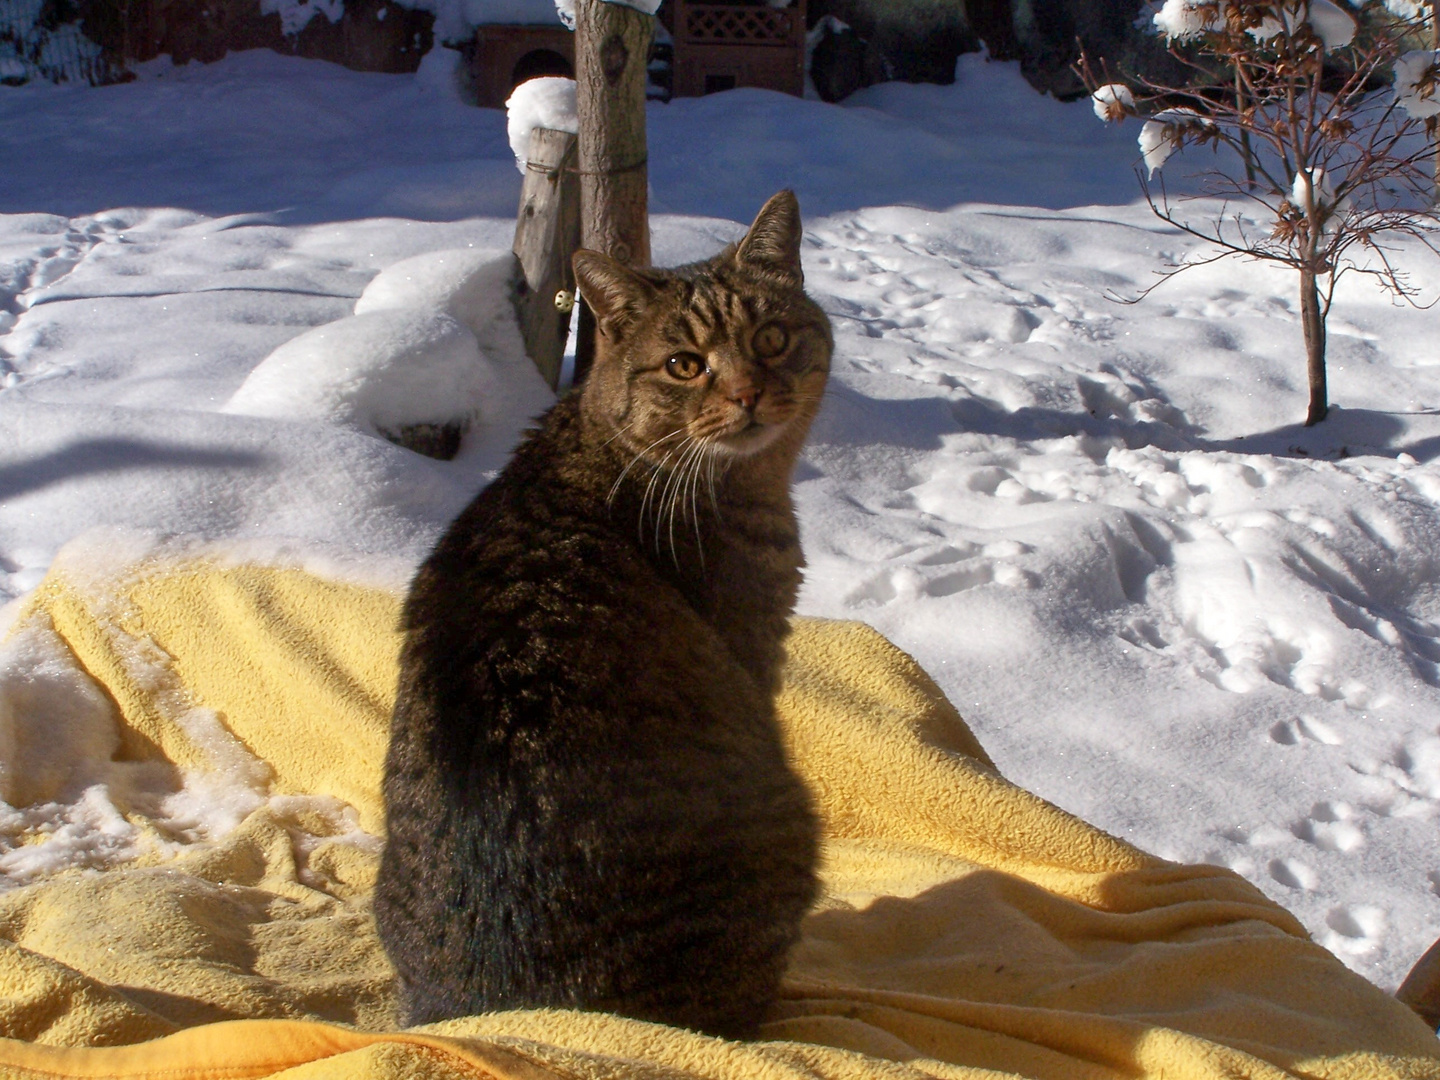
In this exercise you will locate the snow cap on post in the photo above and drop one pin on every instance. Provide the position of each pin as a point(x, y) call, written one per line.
point(566, 8)
point(547, 102)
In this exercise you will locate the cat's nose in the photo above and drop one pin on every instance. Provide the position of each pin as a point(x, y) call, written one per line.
point(745, 395)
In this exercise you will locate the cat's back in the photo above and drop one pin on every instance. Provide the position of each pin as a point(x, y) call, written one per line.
point(580, 773)
point(536, 583)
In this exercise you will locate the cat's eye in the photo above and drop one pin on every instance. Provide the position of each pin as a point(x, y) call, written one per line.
point(770, 340)
point(685, 366)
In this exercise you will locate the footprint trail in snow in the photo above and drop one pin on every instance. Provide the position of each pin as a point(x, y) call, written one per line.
point(1212, 634)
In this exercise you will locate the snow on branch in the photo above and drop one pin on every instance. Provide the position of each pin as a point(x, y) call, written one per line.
point(1113, 102)
point(1416, 77)
point(1168, 131)
point(1188, 20)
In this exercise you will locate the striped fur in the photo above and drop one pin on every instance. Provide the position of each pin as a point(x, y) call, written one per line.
point(588, 801)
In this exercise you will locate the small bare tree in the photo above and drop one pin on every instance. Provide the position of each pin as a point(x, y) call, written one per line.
point(1324, 113)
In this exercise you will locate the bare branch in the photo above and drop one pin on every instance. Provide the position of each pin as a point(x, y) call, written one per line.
point(1332, 163)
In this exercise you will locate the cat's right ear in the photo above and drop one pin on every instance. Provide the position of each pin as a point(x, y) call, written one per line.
point(773, 241)
point(615, 293)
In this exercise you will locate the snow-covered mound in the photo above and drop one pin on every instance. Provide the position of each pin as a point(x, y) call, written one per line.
point(380, 371)
point(471, 285)
point(426, 345)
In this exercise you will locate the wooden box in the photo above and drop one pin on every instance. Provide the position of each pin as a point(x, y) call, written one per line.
point(502, 57)
point(723, 46)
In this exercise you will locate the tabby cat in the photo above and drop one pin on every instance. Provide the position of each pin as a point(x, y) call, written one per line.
point(588, 802)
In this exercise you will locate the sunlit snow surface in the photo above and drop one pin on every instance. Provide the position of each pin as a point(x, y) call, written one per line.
point(1160, 603)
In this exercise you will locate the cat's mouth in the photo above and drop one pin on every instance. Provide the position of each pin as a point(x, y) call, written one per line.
point(749, 436)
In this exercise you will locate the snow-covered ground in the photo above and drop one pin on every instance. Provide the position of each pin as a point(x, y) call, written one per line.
point(1160, 603)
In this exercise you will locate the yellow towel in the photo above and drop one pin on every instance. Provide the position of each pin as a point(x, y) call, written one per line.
point(967, 928)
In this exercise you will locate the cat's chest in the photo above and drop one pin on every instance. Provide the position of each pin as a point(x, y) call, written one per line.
point(743, 583)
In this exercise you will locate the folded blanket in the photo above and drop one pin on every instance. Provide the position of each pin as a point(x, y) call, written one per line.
point(967, 927)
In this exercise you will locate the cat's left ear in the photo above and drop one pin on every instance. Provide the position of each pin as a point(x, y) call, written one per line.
point(773, 241)
point(615, 293)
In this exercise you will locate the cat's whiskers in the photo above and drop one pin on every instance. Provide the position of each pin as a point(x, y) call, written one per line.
point(702, 453)
point(673, 493)
point(618, 433)
point(714, 500)
point(610, 498)
point(650, 488)
point(701, 460)
point(666, 507)
point(681, 486)
point(645, 500)
point(663, 499)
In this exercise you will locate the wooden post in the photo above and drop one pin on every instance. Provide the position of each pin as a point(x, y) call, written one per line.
point(612, 48)
point(547, 232)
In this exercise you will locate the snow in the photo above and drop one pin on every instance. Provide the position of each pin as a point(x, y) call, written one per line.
point(1182, 20)
point(1159, 601)
point(1185, 20)
point(33, 46)
point(1165, 133)
point(1158, 141)
point(1416, 83)
point(469, 284)
point(566, 8)
point(1113, 102)
point(547, 102)
point(456, 20)
point(65, 796)
point(295, 15)
point(1332, 24)
point(380, 371)
point(1312, 186)
point(432, 341)
point(1406, 9)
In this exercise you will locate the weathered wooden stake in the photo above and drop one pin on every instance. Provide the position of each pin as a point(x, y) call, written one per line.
point(612, 48)
point(547, 232)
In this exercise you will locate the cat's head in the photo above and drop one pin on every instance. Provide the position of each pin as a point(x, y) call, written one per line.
point(728, 355)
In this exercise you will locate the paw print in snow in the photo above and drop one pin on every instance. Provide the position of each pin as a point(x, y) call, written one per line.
point(1330, 827)
point(1354, 930)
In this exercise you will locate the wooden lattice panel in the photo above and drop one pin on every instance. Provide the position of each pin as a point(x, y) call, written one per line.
point(723, 23)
